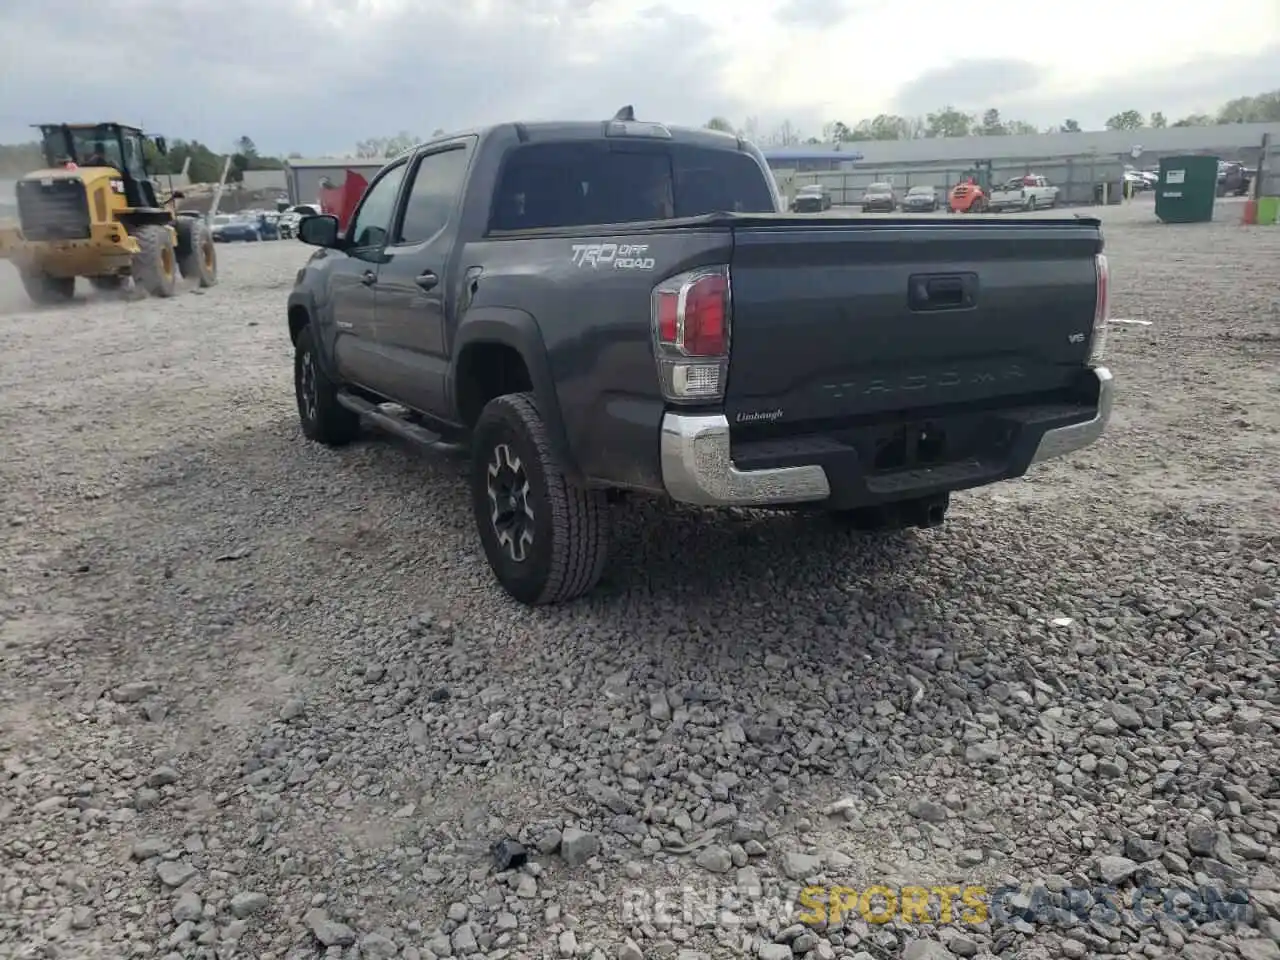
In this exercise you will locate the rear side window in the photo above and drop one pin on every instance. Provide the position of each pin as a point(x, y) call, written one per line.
point(575, 184)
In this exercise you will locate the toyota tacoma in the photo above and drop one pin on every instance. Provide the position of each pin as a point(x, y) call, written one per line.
point(598, 307)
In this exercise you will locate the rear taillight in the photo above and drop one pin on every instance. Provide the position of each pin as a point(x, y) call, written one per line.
point(1101, 310)
point(691, 313)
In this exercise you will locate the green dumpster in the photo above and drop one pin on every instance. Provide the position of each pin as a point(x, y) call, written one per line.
point(1187, 189)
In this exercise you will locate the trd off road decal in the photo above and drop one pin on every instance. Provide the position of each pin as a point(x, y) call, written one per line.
point(612, 256)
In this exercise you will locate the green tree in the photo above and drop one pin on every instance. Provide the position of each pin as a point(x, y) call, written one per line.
point(991, 125)
point(1021, 127)
point(1158, 121)
point(379, 148)
point(19, 159)
point(1126, 120)
point(1071, 126)
point(949, 122)
point(786, 135)
point(1262, 108)
point(889, 126)
point(1195, 120)
point(721, 124)
point(372, 148)
point(402, 141)
point(245, 147)
point(837, 132)
point(886, 126)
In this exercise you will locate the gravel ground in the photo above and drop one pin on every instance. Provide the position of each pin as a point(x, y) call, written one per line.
point(259, 699)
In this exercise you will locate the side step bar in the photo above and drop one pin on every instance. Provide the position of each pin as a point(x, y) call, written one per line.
point(389, 421)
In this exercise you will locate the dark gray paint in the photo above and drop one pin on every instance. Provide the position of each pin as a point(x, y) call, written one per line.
point(821, 324)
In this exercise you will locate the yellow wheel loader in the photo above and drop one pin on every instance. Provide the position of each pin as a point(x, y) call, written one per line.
point(94, 212)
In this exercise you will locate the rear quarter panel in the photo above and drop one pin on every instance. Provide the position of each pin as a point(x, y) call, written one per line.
point(590, 298)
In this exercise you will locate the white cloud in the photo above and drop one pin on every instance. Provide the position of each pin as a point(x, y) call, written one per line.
point(317, 75)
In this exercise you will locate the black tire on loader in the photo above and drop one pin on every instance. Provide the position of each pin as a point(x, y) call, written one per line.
point(45, 290)
point(155, 268)
point(197, 256)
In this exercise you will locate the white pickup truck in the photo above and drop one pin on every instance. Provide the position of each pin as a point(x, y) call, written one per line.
point(289, 220)
point(1029, 192)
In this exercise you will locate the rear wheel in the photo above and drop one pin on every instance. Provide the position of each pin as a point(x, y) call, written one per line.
point(155, 267)
point(197, 257)
point(545, 539)
point(107, 284)
point(46, 290)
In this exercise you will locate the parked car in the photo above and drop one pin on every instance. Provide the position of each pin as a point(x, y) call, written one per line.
point(921, 199)
point(879, 196)
point(287, 225)
point(1029, 192)
point(524, 292)
point(1233, 178)
point(228, 228)
point(811, 198)
point(268, 226)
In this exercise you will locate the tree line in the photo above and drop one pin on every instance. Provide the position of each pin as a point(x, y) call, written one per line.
point(949, 121)
point(205, 166)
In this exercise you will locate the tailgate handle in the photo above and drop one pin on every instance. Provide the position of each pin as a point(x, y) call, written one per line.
point(943, 291)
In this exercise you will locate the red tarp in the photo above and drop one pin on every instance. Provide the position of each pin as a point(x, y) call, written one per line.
point(341, 201)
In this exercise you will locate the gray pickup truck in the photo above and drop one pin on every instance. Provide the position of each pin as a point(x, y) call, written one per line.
point(598, 307)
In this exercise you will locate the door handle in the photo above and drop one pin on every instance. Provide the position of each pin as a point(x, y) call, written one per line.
point(927, 292)
point(368, 278)
point(427, 280)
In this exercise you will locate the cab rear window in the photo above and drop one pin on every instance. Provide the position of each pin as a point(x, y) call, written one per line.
point(573, 184)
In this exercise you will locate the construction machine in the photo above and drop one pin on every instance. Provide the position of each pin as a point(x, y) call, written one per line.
point(94, 212)
point(973, 193)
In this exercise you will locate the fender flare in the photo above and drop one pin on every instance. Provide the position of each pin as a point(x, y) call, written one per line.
point(518, 330)
point(300, 298)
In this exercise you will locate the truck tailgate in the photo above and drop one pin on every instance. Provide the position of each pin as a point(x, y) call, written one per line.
point(843, 321)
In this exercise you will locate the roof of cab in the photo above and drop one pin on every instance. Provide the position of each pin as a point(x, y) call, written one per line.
point(90, 126)
point(559, 130)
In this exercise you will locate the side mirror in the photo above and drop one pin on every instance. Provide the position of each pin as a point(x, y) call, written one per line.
point(162, 146)
point(319, 231)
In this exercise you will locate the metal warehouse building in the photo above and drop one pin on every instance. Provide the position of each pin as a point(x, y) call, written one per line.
point(1078, 163)
point(1234, 141)
point(303, 177)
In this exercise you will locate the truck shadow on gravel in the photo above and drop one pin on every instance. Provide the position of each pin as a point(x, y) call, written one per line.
point(687, 555)
point(672, 554)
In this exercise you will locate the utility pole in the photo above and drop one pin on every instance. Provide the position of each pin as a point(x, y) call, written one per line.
point(217, 193)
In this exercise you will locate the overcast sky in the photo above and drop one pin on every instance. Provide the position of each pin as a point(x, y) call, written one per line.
point(315, 76)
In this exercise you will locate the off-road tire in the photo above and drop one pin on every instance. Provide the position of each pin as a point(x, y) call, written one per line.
point(45, 290)
point(323, 418)
point(197, 256)
point(110, 283)
point(570, 525)
point(155, 267)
